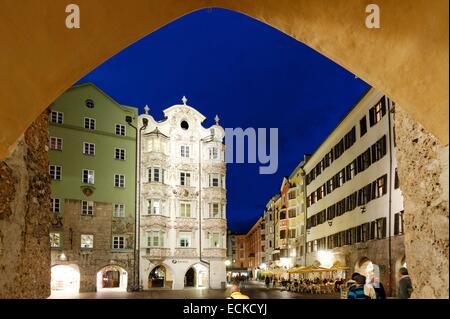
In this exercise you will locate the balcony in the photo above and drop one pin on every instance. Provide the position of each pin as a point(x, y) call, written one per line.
point(156, 253)
point(214, 252)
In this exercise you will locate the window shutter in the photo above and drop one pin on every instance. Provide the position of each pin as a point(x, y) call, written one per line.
point(383, 106)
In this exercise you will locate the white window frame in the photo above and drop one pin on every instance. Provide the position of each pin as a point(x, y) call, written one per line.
point(155, 234)
point(212, 177)
point(185, 239)
point(59, 117)
point(120, 154)
point(90, 176)
point(186, 177)
point(121, 180)
point(88, 148)
point(151, 207)
point(184, 210)
point(87, 236)
point(87, 208)
point(214, 153)
point(118, 242)
point(212, 240)
point(212, 210)
point(55, 205)
point(119, 128)
point(91, 121)
point(185, 151)
point(57, 172)
point(119, 210)
point(56, 143)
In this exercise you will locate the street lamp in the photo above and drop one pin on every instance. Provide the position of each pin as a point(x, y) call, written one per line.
point(137, 173)
point(227, 263)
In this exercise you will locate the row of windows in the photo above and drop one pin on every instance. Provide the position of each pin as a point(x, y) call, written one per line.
point(292, 213)
point(87, 208)
point(56, 143)
point(158, 207)
point(157, 239)
point(157, 175)
point(287, 233)
point(362, 233)
point(373, 154)
point(88, 123)
point(344, 144)
point(376, 113)
point(87, 241)
point(160, 146)
point(361, 197)
point(87, 176)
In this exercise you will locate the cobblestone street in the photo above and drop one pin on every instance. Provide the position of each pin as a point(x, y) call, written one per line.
point(254, 290)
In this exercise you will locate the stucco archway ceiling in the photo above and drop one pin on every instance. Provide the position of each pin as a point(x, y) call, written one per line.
point(407, 58)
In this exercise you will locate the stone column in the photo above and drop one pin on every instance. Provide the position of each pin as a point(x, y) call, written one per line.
point(423, 172)
point(25, 216)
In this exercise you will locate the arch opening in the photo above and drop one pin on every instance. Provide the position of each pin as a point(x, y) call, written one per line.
point(197, 276)
point(157, 277)
point(65, 278)
point(112, 278)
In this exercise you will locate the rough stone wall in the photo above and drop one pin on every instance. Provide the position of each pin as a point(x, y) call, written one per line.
point(24, 216)
point(103, 226)
point(423, 173)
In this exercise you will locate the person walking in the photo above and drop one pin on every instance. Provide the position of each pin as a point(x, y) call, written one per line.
point(357, 290)
point(267, 281)
point(236, 292)
point(404, 285)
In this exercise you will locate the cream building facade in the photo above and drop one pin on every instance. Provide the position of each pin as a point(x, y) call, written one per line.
point(355, 206)
point(182, 200)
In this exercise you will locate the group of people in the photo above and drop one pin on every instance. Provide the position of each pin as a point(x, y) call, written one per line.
point(359, 288)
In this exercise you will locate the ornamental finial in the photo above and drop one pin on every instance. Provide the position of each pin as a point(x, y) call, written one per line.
point(216, 119)
point(146, 109)
point(184, 99)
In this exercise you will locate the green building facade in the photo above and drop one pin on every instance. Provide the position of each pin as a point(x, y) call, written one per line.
point(92, 163)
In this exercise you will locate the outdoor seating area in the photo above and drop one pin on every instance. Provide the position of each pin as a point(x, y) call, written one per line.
point(309, 279)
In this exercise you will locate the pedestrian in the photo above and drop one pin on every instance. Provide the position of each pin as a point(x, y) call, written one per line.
point(380, 292)
point(357, 290)
point(236, 292)
point(267, 281)
point(274, 282)
point(404, 285)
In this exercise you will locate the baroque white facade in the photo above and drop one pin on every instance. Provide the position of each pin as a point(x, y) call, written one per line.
point(182, 200)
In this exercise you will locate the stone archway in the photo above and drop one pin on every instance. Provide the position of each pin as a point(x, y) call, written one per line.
point(157, 277)
point(417, 38)
point(65, 278)
point(417, 48)
point(112, 278)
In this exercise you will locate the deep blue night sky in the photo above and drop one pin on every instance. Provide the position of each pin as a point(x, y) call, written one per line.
point(251, 75)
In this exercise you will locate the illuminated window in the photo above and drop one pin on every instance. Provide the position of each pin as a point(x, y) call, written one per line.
point(55, 240)
point(87, 241)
